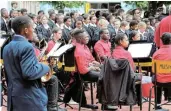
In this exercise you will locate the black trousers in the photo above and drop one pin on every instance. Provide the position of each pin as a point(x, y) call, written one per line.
point(167, 91)
point(91, 76)
point(52, 91)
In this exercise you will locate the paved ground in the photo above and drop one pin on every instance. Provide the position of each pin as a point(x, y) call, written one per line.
point(124, 108)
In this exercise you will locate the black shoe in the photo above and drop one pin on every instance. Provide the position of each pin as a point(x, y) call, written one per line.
point(158, 107)
point(105, 107)
point(91, 106)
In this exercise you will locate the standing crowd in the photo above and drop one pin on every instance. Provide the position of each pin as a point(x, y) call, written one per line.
point(96, 36)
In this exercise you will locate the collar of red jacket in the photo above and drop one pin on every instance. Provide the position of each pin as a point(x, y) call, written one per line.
point(166, 46)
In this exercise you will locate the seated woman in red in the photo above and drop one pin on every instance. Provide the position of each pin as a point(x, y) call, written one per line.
point(121, 41)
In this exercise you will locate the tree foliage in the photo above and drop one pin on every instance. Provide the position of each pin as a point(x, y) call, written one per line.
point(139, 4)
point(63, 4)
point(145, 4)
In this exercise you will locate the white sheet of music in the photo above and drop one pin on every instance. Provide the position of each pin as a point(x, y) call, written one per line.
point(62, 50)
point(140, 50)
point(57, 44)
point(2, 41)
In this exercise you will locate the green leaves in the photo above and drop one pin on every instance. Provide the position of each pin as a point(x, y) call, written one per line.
point(63, 4)
point(139, 4)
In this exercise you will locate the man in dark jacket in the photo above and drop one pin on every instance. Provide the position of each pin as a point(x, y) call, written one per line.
point(25, 91)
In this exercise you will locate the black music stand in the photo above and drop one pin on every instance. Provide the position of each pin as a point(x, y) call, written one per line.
point(57, 54)
point(141, 52)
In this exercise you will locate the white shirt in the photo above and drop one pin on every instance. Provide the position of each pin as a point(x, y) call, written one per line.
point(61, 26)
point(94, 25)
point(69, 28)
point(86, 25)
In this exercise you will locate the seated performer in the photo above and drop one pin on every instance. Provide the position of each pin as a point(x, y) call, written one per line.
point(103, 46)
point(57, 34)
point(23, 71)
point(163, 54)
point(86, 64)
point(121, 41)
point(51, 87)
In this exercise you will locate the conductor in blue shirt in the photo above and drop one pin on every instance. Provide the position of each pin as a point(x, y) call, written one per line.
point(23, 70)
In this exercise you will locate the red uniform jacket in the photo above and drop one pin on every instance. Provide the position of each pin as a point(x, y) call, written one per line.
point(102, 48)
point(164, 53)
point(120, 53)
point(50, 46)
point(83, 57)
point(164, 26)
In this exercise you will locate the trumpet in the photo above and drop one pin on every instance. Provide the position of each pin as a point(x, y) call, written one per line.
point(42, 58)
point(48, 76)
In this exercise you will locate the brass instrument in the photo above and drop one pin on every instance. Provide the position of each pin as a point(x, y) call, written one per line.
point(42, 58)
point(48, 76)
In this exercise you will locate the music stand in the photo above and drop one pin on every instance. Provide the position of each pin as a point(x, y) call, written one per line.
point(56, 54)
point(141, 52)
point(62, 50)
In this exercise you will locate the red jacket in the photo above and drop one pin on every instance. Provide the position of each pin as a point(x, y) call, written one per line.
point(164, 53)
point(83, 57)
point(164, 26)
point(50, 46)
point(102, 48)
point(120, 53)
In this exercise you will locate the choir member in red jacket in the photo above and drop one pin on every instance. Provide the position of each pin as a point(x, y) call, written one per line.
point(164, 26)
point(121, 41)
point(57, 33)
point(86, 64)
point(103, 46)
point(164, 53)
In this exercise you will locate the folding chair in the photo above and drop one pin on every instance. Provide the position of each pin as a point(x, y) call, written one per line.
point(159, 67)
point(82, 89)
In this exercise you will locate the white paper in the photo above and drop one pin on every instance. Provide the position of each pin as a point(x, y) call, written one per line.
point(62, 50)
point(51, 53)
point(140, 50)
point(146, 79)
point(2, 41)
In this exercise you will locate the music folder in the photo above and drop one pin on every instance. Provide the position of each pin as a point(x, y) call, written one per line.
point(140, 50)
point(62, 50)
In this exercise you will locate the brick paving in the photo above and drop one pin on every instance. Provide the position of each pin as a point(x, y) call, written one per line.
point(124, 108)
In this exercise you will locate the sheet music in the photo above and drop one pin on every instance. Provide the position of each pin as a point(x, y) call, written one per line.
point(140, 50)
point(62, 50)
point(51, 53)
point(2, 41)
